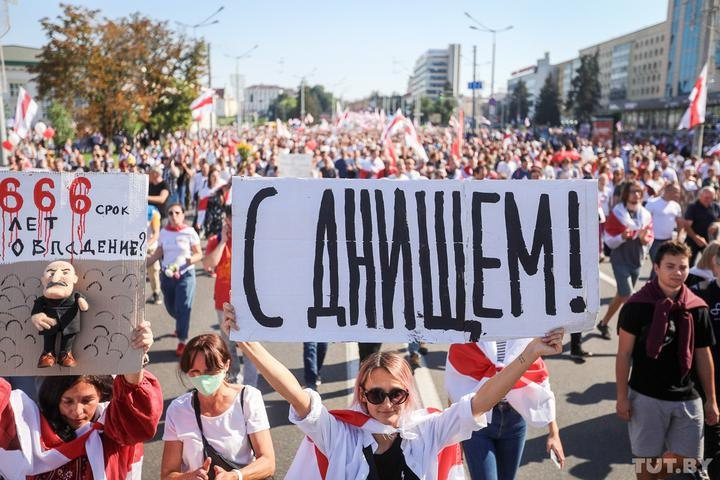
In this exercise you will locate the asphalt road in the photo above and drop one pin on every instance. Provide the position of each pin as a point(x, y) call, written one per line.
point(595, 439)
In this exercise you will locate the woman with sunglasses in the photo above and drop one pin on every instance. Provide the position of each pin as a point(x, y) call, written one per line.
point(178, 249)
point(218, 430)
point(387, 438)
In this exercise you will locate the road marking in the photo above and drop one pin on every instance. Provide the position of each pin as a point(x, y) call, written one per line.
point(351, 366)
point(608, 279)
point(429, 396)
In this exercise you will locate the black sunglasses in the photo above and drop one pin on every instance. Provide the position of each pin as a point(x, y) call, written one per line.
point(377, 396)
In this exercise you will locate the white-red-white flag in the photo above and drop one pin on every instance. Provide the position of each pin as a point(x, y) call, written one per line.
point(24, 113)
point(695, 114)
point(202, 105)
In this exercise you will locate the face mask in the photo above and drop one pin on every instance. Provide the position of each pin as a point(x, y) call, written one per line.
point(208, 384)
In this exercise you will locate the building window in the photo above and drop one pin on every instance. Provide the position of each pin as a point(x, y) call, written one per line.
point(15, 89)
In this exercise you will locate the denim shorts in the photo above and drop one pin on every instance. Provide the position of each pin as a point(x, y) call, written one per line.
point(625, 276)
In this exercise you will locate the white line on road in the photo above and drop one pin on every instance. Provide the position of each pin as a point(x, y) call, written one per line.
point(351, 365)
point(608, 279)
point(426, 389)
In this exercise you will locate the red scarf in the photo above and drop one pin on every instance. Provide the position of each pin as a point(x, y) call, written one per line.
point(685, 301)
point(176, 228)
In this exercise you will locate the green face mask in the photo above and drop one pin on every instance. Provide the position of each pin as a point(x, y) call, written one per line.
point(208, 384)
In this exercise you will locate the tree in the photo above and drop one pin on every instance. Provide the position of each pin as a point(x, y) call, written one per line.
point(119, 75)
point(61, 120)
point(584, 95)
point(547, 111)
point(441, 107)
point(283, 107)
point(519, 103)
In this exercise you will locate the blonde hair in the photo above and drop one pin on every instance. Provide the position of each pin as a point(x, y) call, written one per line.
point(396, 366)
point(708, 255)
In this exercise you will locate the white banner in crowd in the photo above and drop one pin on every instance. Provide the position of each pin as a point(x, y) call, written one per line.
point(295, 165)
point(392, 261)
point(47, 216)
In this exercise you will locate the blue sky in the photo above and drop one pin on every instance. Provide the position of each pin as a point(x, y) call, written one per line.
point(354, 47)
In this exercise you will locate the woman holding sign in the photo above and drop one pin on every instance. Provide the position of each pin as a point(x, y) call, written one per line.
point(178, 249)
point(84, 426)
point(384, 436)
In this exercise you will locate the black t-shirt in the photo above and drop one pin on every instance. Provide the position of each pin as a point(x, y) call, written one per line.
point(390, 465)
point(661, 378)
point(156, 189)
point(711, 294)
point(702, 217)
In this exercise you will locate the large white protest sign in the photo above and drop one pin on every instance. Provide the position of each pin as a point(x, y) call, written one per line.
point(97, 223)
point(295, 165)
point(48, 216)
point(387, 261)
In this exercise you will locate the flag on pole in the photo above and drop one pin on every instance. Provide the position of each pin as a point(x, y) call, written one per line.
point(24, 113)
point(458, 126)
point(527, 122)
point(202, 105)
point(695, 113)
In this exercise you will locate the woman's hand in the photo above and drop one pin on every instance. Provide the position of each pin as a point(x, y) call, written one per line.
point(142, 337)
point(229, 319)
point(550, 344)
point(202, 472)
point(554, 444)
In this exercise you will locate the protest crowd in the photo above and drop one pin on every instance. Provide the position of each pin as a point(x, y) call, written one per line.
point(654, 199)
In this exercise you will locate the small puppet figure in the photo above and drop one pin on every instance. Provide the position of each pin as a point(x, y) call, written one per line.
point(56, 312)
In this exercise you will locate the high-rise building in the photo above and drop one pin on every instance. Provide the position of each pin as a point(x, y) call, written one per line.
point(688, 46)
point(632, 66)
point(534, 77)
point(436, 72)
point(258, 98)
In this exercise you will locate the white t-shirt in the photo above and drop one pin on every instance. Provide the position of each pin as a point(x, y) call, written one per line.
point(227, 433)
point(664, 216)
point(176, 245)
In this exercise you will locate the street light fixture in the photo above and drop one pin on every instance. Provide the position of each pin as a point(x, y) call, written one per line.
point(302, 93)
point(482, 28)
point(237, 58)
point(205, 23)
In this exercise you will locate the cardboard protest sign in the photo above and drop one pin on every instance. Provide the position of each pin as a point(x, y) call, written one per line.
point(97, 223)
point(295, 165)
point(392, 261)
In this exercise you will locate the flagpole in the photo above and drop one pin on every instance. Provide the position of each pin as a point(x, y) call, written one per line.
point(710, 55)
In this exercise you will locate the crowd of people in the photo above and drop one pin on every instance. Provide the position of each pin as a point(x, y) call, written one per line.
point(654, 199)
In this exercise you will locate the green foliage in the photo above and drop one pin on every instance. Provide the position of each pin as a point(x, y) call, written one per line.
point(283, 107)
point(584, 95)
point(519, 104)
point(547, 110)
point(62, 122)
point(119, 75)
point(440, 108)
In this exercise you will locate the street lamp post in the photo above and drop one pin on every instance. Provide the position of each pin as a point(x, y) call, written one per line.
point(237, 58)
point(205, 23)
point(482, 28)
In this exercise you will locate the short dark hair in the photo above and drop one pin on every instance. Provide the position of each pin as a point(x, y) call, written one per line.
point(52, 390)
point(211, 347)
point(626, 189)
point(671, 247)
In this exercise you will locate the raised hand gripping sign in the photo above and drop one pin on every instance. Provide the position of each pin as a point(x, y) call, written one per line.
point(72, 272)
point(392, 261)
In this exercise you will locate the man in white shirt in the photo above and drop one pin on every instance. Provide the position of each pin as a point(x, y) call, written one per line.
point(666, 213)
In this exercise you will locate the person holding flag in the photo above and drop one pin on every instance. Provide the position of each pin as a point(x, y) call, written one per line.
point(383, 436)
point(494, 453)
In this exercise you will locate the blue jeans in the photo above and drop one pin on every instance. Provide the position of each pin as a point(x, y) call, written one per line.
point(178, 297)
point(313, 358)
point(413, 347)
point(494, 452)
